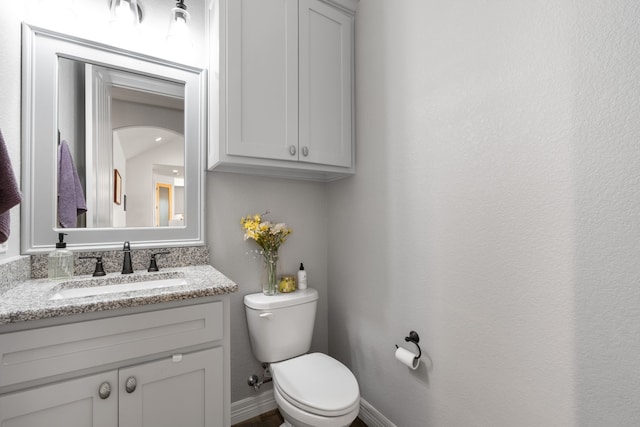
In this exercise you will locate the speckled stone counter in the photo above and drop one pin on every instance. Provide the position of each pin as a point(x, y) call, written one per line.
point(15, 270)
point(112, 260)
point(31, 299)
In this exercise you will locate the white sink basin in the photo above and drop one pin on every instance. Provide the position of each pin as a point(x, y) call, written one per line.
point(104, 287)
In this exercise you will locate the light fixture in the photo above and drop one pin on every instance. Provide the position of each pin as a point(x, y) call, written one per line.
point(125, 12)
point(178, 35)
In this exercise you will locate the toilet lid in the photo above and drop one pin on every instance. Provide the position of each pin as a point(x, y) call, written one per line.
point(317, 383)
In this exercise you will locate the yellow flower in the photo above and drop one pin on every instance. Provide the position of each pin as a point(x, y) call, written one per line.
point(267, 235)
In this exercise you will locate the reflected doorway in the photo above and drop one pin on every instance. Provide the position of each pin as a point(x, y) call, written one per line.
point(164, 202)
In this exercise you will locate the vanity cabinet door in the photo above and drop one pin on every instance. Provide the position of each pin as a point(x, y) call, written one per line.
point(262, 79)
point(75, 403)
point(183, 390)
point(326, 91)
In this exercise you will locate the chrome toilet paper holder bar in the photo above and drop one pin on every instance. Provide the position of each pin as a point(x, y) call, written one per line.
point(414, 338)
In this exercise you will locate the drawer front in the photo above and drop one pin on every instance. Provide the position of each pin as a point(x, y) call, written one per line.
point(44, 352)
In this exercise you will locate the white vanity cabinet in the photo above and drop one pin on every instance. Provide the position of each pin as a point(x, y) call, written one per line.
point(282, 88)
point(157, 368)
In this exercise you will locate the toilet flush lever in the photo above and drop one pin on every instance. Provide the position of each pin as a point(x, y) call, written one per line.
point(266, 315)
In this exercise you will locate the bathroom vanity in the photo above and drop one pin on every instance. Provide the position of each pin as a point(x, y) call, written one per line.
point(140, 349)
point(150, 357)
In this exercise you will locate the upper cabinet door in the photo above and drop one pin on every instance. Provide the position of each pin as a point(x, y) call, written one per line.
point(262, 79)
point(326, 43)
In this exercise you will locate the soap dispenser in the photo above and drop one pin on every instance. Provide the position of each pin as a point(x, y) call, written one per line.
point(60, 261)
point(302, 278)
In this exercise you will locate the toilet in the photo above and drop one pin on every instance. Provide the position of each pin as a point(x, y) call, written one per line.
point(311, 390)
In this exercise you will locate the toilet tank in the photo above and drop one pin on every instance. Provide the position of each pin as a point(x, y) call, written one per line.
point(281, 326)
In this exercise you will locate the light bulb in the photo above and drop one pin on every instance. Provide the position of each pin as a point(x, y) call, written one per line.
point(178, 34)
point(125, 12)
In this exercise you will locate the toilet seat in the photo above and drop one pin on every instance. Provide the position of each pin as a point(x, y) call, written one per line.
point(318, 384)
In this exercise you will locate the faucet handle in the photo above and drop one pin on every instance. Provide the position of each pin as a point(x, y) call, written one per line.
point(153, 266)
point(127, 265)
point(99, 271)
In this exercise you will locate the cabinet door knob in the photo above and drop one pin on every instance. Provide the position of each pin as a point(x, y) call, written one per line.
point(292, 150)
point(305, 151)
point(105, 390)
point(130, 385)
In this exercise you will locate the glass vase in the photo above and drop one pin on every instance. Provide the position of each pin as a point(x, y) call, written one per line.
point(270, 273)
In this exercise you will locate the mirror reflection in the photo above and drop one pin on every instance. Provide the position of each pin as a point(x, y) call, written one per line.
point(125, 137)
point(109, 106)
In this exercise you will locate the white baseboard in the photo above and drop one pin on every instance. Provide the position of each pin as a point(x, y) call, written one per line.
point(372, 417)
point(250, 407)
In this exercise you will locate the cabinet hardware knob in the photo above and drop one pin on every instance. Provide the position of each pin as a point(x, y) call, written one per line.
point(99, 270)
point(105, 390)
point(130, 385)
point(305, 151)
point(292, 150)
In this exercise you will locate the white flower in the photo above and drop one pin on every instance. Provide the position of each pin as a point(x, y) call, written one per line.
point(281, 226)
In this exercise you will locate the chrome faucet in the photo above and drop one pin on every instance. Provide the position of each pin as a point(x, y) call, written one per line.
point(127, 268)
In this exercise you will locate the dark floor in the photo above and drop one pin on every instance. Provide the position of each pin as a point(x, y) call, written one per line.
point(274, 419)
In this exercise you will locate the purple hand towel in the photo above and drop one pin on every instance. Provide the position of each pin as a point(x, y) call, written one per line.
point(71, 202)
point(9, 192)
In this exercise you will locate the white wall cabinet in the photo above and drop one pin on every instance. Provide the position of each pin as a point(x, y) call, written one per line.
point(281, 88)
point(162, 368)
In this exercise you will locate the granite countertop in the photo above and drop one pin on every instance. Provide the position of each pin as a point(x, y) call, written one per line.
point(31, 299)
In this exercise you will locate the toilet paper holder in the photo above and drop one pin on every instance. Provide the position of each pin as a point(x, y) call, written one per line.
point(414, 338)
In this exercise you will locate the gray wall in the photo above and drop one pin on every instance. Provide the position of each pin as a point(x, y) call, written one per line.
point(303, 207)
point(495, 211)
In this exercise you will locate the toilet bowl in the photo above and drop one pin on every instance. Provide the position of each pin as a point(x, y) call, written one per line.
point(311, 390)
point(315, 390)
